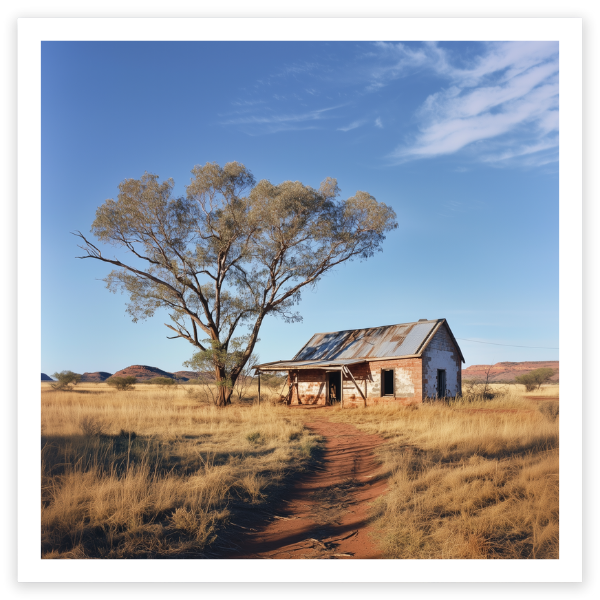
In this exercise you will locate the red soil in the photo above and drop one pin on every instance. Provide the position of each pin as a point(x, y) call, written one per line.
point(326, 513)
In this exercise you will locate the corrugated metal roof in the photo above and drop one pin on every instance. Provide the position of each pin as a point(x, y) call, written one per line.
point(284, 365)
point(377, 342)
point(357, 345)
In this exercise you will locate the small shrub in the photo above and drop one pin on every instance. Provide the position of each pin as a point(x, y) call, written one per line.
point(91, 427)
point(163, 382)
point(123, 384)
point(255, 437)
point(549, 410)
point(198, 525)
point(534, 379)
point(66, 379)
point(253, 486)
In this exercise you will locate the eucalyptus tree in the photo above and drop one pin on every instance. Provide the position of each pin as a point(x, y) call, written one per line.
point(229, 253)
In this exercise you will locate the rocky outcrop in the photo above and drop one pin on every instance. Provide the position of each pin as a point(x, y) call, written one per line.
point(507, 371)
point(97, 377)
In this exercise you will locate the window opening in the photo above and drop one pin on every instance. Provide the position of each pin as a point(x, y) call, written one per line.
point(387, 383)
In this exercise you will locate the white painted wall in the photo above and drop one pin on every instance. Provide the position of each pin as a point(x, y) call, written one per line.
point(403, 383)
point(440, 359)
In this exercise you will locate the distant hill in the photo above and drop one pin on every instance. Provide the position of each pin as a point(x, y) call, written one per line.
point(187, 375)
point(97, 377)
point(143, 372)
point(46, 378)
point(507, 371)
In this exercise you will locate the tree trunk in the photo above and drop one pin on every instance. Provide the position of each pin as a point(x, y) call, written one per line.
point(223, 392)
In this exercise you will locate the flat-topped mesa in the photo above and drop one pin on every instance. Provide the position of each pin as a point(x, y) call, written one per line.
point(507, 371)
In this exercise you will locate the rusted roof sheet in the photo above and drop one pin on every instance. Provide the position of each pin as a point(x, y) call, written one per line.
point(285, 365)
point(405, 339)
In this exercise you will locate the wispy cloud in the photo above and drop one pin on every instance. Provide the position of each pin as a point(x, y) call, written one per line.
point(245, 103)
point(506, 99)
point(272, 123)
point(352, 125)
point(378, 123)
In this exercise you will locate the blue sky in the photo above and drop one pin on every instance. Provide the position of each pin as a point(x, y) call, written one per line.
point(461, 139)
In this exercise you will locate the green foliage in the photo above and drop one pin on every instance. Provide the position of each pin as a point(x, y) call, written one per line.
point(227, 360)
point(230, 253)
point(123, 384)
point(534, 379)
point(217, 355)
point(66, 380)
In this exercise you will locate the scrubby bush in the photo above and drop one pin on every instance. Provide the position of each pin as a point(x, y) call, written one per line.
point(66, 380)
point(91, 427)
point(534, 379)
point(549, 410)
point(255, 437)
point(475, 390)
point(122, 384)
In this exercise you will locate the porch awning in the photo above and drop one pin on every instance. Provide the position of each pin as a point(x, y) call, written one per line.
point(292, 365)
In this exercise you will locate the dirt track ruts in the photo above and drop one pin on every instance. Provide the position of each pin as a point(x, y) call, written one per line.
point(325, 514)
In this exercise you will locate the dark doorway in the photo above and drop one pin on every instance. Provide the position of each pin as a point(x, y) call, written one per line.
point(387, 383)
point(441, 381)
point(334, 381)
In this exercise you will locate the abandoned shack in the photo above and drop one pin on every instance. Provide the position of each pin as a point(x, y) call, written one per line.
point(403, 363)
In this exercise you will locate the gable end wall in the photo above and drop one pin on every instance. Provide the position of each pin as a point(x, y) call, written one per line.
point(441, 353)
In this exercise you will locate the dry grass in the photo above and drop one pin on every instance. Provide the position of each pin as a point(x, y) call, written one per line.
point(156, 473)
point(550, 389)
point(152, 473)
point(466, 481)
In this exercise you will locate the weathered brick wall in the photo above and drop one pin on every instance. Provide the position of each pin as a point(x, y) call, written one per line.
point(414, 378)
point(441, 353)
point(312, 387)
point(407, 382)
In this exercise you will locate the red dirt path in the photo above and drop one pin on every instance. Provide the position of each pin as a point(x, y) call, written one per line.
point(325, 515)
